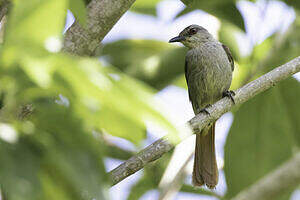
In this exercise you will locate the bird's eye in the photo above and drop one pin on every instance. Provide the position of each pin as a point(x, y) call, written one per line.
point(193, 31)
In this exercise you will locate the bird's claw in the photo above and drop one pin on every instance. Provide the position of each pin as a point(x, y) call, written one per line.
point(204, 110)
point(230, 94)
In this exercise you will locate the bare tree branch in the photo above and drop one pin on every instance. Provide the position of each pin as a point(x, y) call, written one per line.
point(102, 16)
point(275, 183)
point(4, 8)
point(243, 94)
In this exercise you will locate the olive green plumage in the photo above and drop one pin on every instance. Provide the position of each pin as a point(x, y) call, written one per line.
point(208, 71)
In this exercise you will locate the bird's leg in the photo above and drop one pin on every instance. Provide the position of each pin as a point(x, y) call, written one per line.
point(230, 94)
point(204, 110)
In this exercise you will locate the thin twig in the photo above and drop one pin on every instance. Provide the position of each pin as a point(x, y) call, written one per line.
point(243, 94)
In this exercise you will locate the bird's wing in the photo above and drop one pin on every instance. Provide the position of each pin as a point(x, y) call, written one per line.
point(186, 72)
point(230, 58)
point(192, 98)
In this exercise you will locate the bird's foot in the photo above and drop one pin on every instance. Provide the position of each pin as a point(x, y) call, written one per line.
point(204, 110)
point(230, 94)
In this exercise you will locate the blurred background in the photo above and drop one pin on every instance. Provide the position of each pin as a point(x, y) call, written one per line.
point(67, 120)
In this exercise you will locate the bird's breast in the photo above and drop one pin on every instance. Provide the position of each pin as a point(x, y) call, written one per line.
point(208, 74)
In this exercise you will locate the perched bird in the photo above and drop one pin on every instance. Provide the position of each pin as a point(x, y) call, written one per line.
point(208, 71)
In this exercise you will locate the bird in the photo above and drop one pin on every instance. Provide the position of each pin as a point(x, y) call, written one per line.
point(208, 71)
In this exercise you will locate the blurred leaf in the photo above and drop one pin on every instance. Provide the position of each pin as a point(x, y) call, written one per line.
point(272, 52)
point(78, 9)
point(286, 48)
point(276, 50)
point(67, 155)
point(295, 4)
point(87, 2)
point(223, 10)
point(247, 68)
point(145, 6)
point(116, 152)
point(227, 35)
point(196, 190)
point(107, 99)
point(47, 162)
point(35, 21)
point(290, 93)
point(156, 63)
point(72, 96)
point(180, 81)
point(261, 138)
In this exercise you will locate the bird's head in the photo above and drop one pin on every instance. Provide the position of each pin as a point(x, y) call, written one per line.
point(193, 36)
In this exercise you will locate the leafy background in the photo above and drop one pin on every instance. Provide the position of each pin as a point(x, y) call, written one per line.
point(59, 112)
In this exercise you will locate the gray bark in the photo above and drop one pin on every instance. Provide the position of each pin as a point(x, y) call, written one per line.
point(102, 16)
point(4, 8)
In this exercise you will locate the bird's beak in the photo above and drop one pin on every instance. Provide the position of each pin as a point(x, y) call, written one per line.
point(177, 39)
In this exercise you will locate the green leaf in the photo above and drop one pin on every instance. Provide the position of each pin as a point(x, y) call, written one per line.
point(78, 9)
point(261, 138)
point(119, 107)
point(295, 4)
point(49, 157)
point(226, 34)
point(145, 6)
point(156, 63)
point(272, 52)
point(286, 48)
point(195, 190)
point(290, 94)
point(55, 143)
point(247, 68)
point(224, 10)
point(36, 21)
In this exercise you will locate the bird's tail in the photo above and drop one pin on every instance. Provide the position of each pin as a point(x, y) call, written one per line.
point(205, 163)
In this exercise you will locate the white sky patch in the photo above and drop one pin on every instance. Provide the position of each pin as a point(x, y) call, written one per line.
point(64, 101)
point(69, 21)
point(297, 76)
point(295, 195)
point(263, 18)
point(180, 156)
point(53, 44)
point(116, 77)
point(176, 108)
point(104, 60)
point(163, 27)
point(8, 133)
point(120, 142)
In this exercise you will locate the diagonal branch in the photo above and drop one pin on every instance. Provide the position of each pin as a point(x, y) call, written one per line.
point(243, 94)
point(102, 16)
point(275, 183)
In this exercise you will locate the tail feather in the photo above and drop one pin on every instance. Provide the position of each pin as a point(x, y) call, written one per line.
point(205, 163)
